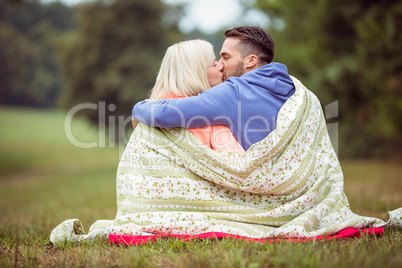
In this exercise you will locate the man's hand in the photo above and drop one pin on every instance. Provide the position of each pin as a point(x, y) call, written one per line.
point(134, 122)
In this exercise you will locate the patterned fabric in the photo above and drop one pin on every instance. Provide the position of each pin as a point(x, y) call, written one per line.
point(288, 185)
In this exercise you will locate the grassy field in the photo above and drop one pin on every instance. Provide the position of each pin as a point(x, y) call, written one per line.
point(44, 179)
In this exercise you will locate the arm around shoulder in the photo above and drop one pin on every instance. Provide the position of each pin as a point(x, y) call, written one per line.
point(197, 111)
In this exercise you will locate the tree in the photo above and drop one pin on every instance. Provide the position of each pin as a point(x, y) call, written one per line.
point(29, 74)
point(347, 51)
point(115, 53)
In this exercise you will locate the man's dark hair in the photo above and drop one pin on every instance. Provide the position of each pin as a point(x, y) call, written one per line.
point(254, 40)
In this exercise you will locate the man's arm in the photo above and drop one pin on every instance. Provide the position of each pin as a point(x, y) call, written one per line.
point(216, 106)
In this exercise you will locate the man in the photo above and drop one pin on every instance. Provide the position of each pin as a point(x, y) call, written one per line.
point(248, 101)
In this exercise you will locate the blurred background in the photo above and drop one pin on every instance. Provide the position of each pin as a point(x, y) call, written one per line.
point(56, 55)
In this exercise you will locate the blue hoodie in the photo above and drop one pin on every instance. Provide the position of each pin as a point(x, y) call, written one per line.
point(248, 105)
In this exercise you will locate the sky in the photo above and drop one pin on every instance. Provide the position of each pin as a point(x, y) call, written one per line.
point(208, 15)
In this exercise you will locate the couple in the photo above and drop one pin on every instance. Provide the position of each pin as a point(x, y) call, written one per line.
point(248, 106)
point(277, 175)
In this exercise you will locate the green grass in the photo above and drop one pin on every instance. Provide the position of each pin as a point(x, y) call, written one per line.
point(44, 180)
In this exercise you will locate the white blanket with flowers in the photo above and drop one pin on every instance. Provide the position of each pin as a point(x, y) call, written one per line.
point(288, 185)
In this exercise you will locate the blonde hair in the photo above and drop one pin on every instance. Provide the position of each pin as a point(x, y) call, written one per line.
point(183, 70)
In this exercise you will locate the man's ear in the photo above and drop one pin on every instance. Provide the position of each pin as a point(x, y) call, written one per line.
point(251, 61)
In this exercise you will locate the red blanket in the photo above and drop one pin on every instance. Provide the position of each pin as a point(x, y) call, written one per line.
point(140, 239)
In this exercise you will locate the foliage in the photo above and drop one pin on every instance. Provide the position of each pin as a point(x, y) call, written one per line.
point(115, 53)
point(347, 51)
point(29, 74)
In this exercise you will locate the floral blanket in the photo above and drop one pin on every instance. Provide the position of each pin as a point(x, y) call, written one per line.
point(288, 185)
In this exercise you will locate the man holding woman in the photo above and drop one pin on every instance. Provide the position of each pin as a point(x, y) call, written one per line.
point(247, 103)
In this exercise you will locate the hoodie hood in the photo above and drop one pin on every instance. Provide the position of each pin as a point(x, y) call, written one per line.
point(273, 77)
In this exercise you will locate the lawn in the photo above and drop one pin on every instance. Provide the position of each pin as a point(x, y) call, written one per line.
point(44, 179)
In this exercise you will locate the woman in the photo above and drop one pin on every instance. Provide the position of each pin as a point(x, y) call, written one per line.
point(189, 68)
